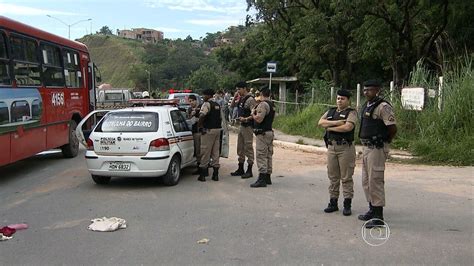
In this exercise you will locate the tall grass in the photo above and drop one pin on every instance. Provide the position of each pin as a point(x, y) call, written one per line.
point(441, 136)
point(304, 123)
point(436, 136)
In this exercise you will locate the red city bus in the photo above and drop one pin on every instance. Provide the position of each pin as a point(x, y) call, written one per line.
point(47, 85)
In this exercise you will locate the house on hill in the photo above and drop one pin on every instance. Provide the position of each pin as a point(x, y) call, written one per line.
point(142, 34)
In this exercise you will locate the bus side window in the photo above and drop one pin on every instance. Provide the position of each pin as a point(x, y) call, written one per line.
point(26, 67)
point(4, 66)
point(4, 114)
point(72, 69)
point(53, 74)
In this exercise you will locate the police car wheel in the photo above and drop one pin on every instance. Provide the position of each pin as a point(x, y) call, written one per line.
point(174, 172)
point(101, 180)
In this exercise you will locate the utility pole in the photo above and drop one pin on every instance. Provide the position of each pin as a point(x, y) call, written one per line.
point(148, 72)
point(69, 25)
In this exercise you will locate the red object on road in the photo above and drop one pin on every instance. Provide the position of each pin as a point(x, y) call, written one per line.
point(7, 231)
point(18, 226)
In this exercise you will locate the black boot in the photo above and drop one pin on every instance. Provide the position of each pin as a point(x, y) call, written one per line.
point(368, 215)
point(249, 173)
point(260, 181)
point(347, 207)
point(268, 179)
point(197, 170)
point(215, 174)
point(332, 206)
point(202, 174)
point(378, 218)
point(239, 171)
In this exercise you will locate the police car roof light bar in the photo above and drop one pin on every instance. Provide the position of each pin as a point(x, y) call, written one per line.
point(154, 102)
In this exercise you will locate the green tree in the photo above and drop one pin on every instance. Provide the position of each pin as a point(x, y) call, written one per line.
point(402, 32)
point(105, 30)
point(204, 78)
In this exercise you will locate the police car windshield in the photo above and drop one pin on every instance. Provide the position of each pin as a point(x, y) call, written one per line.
point(116, 96)
point(129, 122)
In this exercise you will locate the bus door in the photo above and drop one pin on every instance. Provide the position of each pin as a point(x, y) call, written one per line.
point(92, 81)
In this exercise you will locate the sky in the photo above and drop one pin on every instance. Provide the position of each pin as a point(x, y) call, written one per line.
point(175, 18)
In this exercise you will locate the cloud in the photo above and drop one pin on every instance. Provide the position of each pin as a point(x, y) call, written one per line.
point(173, 30)
point(222, 6)
point(12, 9)
point(214, 22)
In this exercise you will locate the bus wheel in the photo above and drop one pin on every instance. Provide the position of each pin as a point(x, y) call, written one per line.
point(71, 149)
point(101, 180)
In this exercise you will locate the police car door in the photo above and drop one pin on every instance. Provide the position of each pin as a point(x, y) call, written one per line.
point(224, 150)
point(183, 135)
point(87, 124)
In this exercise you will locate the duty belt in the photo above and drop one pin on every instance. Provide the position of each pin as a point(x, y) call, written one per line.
point(339, 142)
point(372, 144)
point(257, 131)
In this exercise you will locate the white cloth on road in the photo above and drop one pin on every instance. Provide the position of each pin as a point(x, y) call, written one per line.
point(3, 238)
point(105, 224)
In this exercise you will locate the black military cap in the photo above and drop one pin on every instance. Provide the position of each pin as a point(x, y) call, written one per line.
point(209, 92)
point(373, 83)
point(343, 92)
point(241, 84)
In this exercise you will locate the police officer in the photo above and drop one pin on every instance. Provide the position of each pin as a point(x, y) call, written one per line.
point(245, 136)
point(263, 116)
point(210, 122)
point(193, 116)
point(377, 130)
point(339, 123)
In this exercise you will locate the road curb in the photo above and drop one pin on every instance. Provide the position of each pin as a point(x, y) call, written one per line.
point(299, 147)
point(323, 150)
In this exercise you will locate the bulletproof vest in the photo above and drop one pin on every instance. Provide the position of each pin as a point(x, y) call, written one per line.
point(213, 118)
point(244, 112)
point(373, 129)
point(195, 125)
point(267, 122)
point(333, 114)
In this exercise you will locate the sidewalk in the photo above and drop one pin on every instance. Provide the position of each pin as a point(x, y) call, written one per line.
point(317, 145)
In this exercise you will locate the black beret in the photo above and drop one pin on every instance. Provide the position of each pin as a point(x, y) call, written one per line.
point(343, 92)
point(208, 92)
point(373, 83)
point(241, 84)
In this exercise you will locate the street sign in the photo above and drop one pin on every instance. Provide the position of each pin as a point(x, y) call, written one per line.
point(271, 67)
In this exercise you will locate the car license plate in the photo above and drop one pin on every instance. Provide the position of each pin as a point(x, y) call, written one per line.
point(119, 166)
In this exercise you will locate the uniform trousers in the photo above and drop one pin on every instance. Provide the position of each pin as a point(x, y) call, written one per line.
point(341, 164)
point(264, 152)
point(245, 144)
point(210, 144)
point(197, 147)
point(373, 168)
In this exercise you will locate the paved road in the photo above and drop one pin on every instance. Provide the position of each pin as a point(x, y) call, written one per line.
point(430, 214)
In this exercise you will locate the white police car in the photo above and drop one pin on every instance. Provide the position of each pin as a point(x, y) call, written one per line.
point(146, 141)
